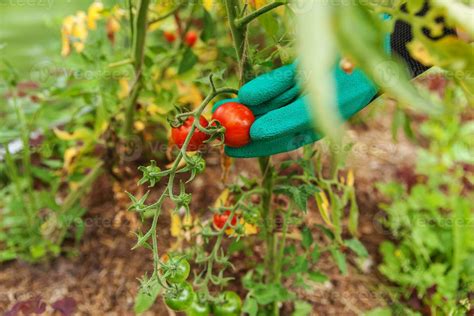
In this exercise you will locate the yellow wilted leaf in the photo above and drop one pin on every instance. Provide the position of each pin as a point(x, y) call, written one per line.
point(250, 229)
point(175, 228)
point(188, 220)
point(124, 88)
point(350, 178)
point(222, 199)
point(94, 14)
point(342, 179)
point(323, 205)
point(190, 94)
point(69, 156)
point(79, 134)
point(260, 3)
point(324, 198)
point(154, 109)
point(139, 126)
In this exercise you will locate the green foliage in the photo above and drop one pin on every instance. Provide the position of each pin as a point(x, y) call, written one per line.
point(433, 219)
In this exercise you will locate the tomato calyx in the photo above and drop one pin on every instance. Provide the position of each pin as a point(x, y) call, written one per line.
point(175, 269)
point(179, 297)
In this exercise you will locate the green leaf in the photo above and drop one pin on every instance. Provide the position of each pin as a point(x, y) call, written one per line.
point(379, 312)
point(307, 240)
point(340, 260)
point(146, 297)
point(356, 246)
point(317, 276)
point(269, 23)
point(302, 308)
point(188, 61)
point(250, 307)
point(315, 254)
point(362, 35)
point(209, 27)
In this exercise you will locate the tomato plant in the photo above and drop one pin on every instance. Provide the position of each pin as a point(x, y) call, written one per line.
point(170, 36)
point(179, 297)
point(228, 304)
point(191, 38)
point(176, 269)
point(219, 220)
point(237, 120)
point(199, 307)
point(179, 134)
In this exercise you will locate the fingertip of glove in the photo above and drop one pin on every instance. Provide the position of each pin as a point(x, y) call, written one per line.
point(268, 86)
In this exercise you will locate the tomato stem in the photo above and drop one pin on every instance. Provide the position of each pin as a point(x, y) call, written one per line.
point(139, 29)
point(239, 34)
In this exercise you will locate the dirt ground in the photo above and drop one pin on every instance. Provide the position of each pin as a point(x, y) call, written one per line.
point(101, 278)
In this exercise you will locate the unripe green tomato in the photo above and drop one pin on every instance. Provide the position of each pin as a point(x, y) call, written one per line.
point(231, 305)
point(198, 308)
point(177, 270)
point(180, 298)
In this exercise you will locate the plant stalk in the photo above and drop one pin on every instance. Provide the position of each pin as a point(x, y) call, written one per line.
point(238, 27)
point(140, 26)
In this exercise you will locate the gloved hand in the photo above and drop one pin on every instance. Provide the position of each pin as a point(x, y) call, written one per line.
point(283, 122)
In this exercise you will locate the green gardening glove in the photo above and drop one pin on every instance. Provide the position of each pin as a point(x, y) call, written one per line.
point(283, 122)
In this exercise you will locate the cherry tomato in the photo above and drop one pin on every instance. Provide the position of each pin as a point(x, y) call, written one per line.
point(169, 36)
point(237, 120)
point(176, 269)
point(180, 297)
point(179, 134)
point(198, 308)
point(219, 220)
point(230, 305)
point(191, 38)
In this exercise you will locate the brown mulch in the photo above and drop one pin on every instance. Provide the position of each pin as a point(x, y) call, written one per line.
point(102, 277)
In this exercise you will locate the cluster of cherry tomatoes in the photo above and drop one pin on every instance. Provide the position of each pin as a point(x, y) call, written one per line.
point(235, 117)
point(181, 296)
point(190, 38)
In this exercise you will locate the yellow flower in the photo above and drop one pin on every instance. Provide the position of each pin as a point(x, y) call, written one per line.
point(66, 31)
point(208, 4)
point(79, 31)
point(74, 33)
point(94, 14)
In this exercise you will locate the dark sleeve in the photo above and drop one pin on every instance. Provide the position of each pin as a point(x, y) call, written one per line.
point(402, 35)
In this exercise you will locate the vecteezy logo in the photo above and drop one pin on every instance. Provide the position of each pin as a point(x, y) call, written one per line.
point(45, 71)
point(301, 6)
point(387, 72)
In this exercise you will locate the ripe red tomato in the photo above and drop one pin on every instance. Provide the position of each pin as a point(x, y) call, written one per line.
point(237, 120)
point(219, 220)
point(191, 38)
point(169, 36)
point(179, 134)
